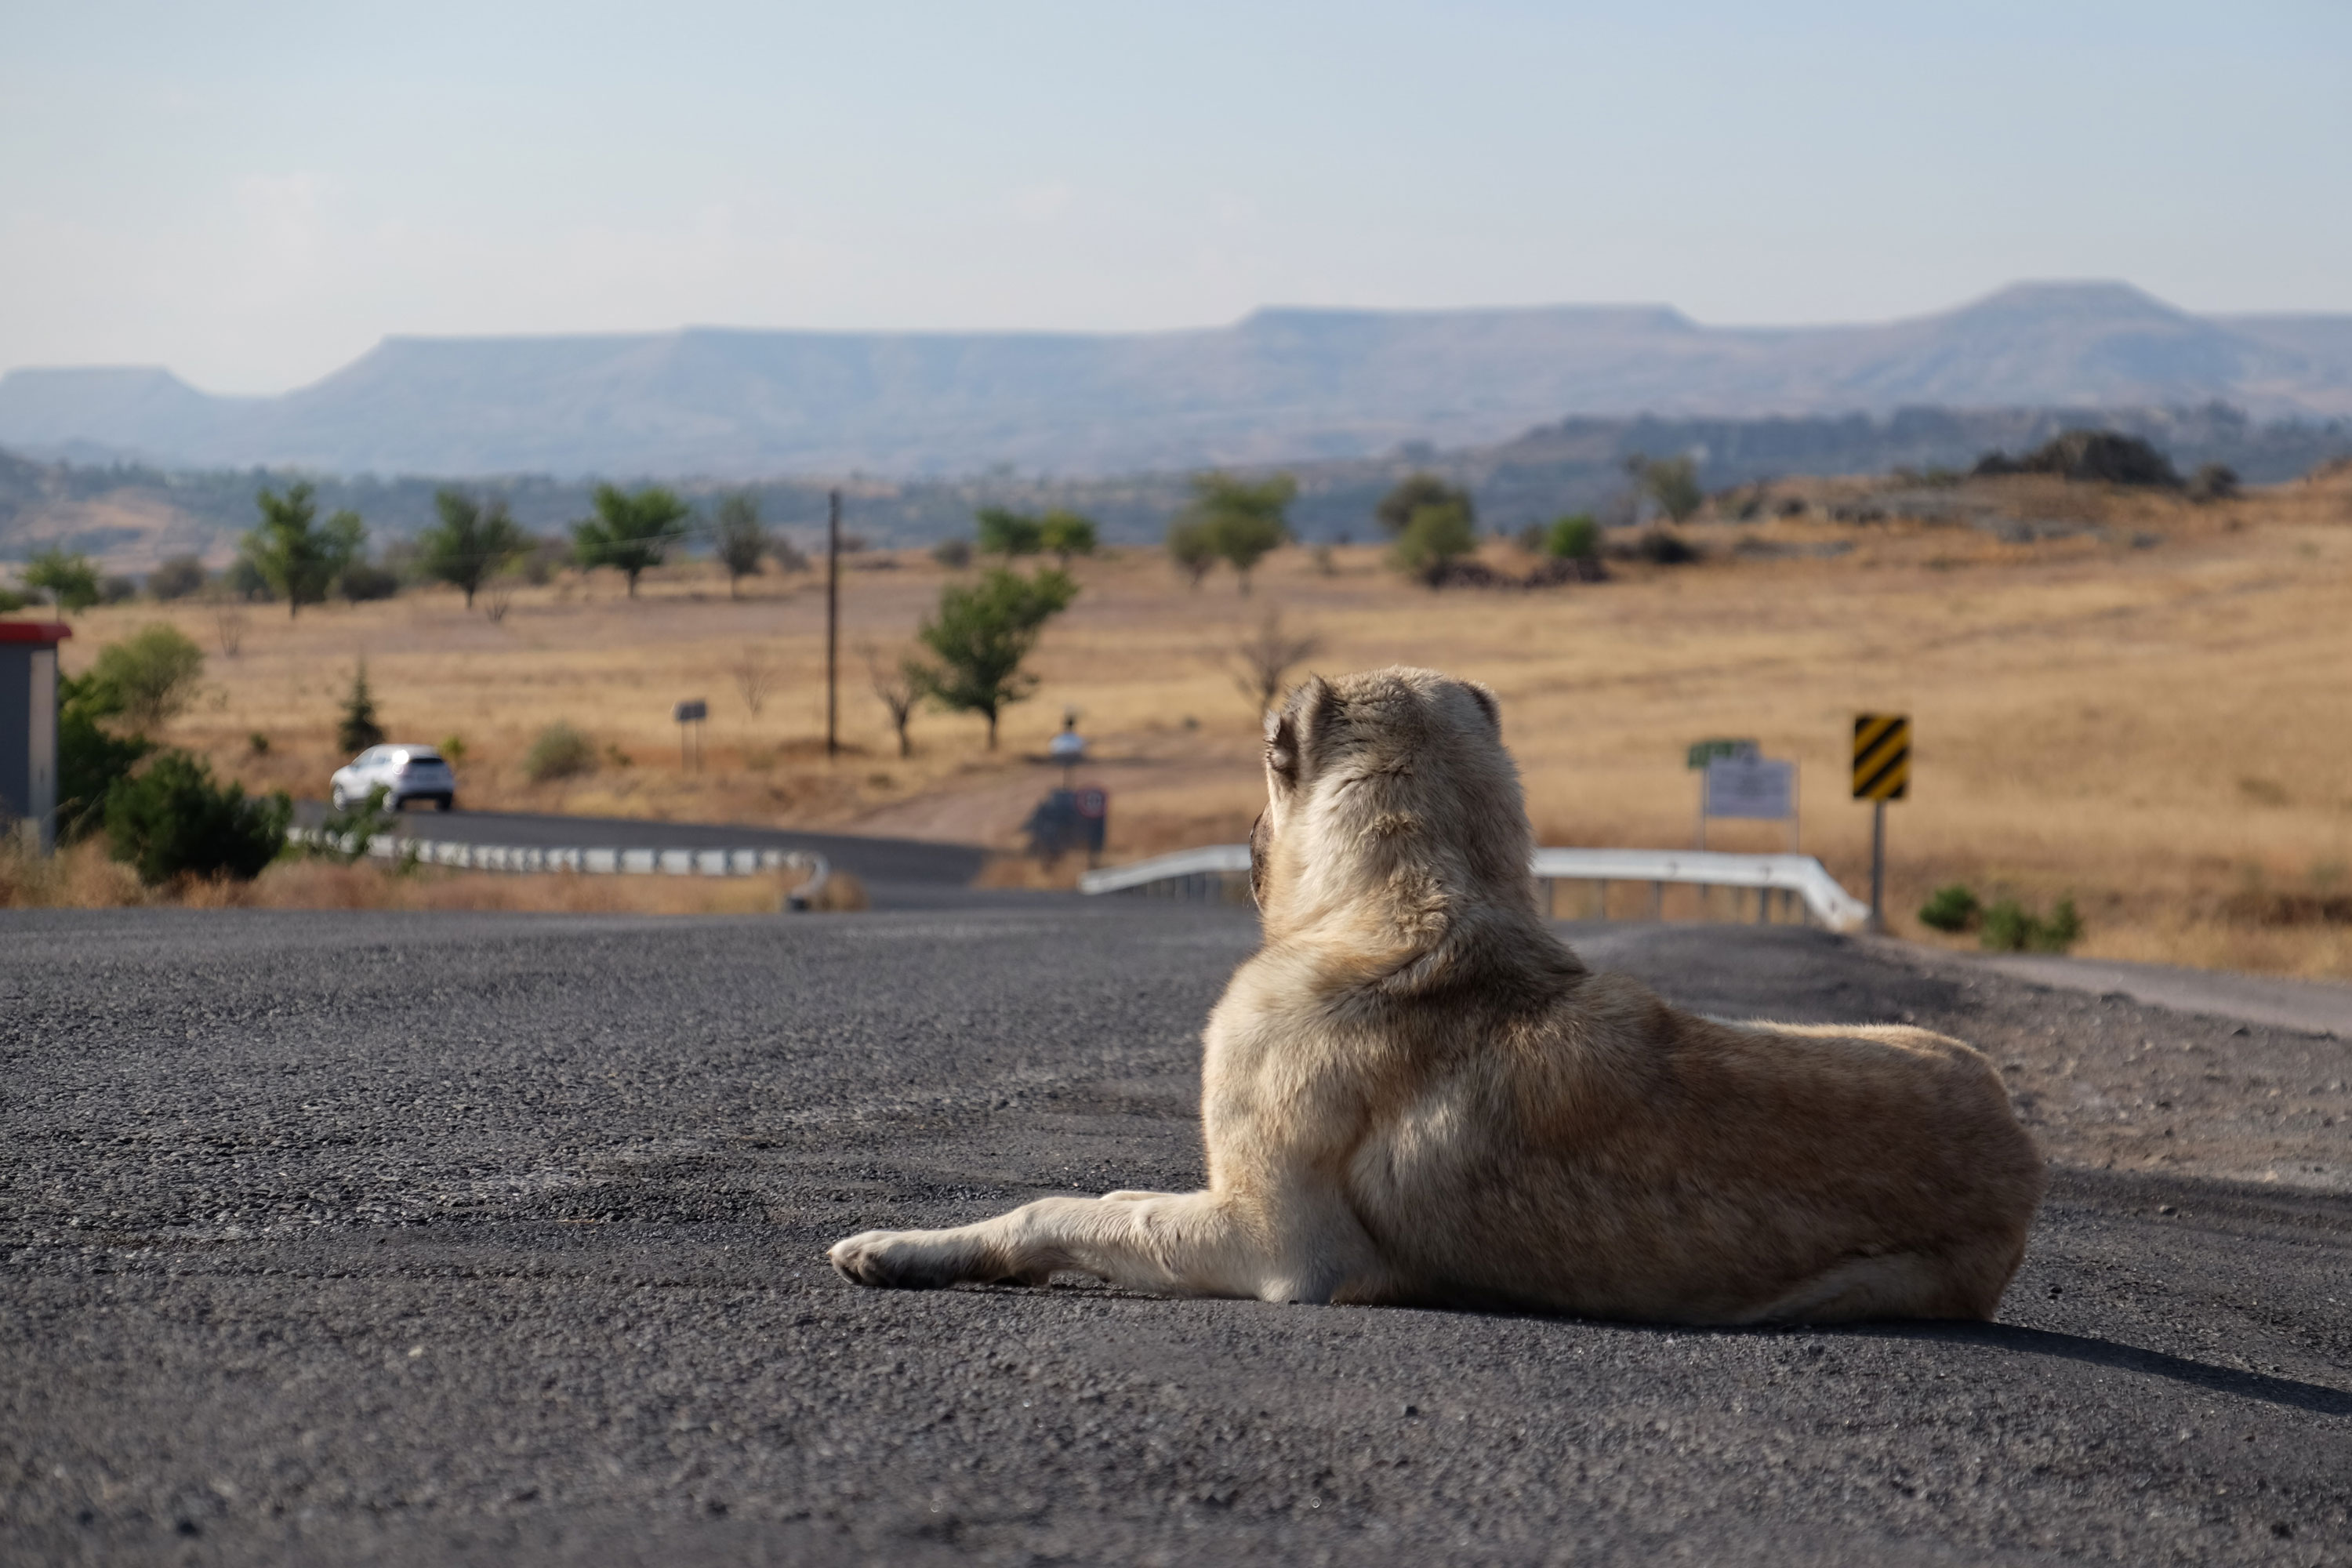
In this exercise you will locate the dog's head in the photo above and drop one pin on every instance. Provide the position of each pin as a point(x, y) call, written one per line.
point(1390, 804)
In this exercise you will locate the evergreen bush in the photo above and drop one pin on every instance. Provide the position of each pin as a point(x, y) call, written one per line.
point(173, 820)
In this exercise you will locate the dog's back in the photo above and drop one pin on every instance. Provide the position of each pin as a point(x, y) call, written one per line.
point(1620, 1158)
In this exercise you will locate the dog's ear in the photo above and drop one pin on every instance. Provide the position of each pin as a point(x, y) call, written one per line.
point(1260, 840)
point(1282, 745)
point(1292, 731)
point(1486, 703)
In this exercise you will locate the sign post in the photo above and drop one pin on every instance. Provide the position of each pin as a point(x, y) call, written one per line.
point(1701, 755)
point(832, 621)
point(1882, 772)
point(689, 716)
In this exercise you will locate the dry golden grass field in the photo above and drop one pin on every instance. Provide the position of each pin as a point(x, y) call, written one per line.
point(2154, 718)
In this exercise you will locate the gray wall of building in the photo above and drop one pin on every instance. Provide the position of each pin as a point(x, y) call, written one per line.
point(28, 740)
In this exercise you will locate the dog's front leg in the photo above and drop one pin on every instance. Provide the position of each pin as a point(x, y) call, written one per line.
point(1187, 1243)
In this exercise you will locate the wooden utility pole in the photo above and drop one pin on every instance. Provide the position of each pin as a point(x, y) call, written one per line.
point(832, 622)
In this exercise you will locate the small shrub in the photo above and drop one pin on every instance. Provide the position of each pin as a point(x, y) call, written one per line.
point(1951, 908)
point(1663, 547)
point(453, 748)
point(2009, 927)
point(150, 679)
point(258, 744)
point(358, 729)
point(543, 558)
point(1576, 538)
point(2006, 926)
point(1409, 495)
point(955, 554)
point(1436, 534)
point(2062, 930)
point(172, 820)
point(177, 578)
point(561, 751)
point(117, 589)
point(90, 758)
point(363, 580)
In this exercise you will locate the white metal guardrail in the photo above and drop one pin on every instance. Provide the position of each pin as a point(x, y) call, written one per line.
point(1796, 877)
point(590, 861)
point(1211, 860)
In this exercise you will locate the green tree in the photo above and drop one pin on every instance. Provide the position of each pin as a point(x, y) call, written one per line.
point(1672, 482)
point(982, 633)
point(1433, 537)
point(1575, 537)
point(1410, 494)
point(1244, 519)
point(741, 539)
point(472, 543)
point(150, 679)
point(172, 820)
point(90, 756)
point(69, 580)
point(1066, 533)
point(1008, 533)
point(297, 557)
point(1191, 548)
point(630, 532)
point(177, 578)
point(897, 687)
point(358, 729)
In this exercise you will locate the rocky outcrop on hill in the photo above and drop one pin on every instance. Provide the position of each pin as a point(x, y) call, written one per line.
point(2101, 456)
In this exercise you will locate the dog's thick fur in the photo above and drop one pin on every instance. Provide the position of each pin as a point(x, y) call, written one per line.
point(1414, 1093)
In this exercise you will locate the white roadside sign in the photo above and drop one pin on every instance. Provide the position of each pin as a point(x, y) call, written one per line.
point(1754, 787)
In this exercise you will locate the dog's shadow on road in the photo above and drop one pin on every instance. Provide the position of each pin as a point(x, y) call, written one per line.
point(2315, 1397)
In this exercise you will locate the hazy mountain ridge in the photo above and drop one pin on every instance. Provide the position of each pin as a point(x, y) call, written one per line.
point(1281, 385)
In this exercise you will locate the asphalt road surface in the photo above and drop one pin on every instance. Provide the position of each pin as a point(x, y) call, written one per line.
point(900, 873)
point(438, 1239)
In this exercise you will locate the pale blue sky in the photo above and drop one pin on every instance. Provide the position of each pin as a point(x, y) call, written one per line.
point(254, 194)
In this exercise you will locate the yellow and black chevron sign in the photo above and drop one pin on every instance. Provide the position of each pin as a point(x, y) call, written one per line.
point(1882, 757)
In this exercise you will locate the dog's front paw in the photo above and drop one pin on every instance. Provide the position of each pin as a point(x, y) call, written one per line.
point(893, 1261)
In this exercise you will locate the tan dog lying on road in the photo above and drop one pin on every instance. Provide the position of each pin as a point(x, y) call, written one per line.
point(1414, 1093)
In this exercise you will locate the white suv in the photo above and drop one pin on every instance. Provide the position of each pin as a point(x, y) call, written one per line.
point(406, 774)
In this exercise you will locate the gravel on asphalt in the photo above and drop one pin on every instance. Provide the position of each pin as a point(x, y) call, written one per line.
point(454, 1238)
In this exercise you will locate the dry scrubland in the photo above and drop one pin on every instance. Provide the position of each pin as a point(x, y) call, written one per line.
point(2150, 717)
